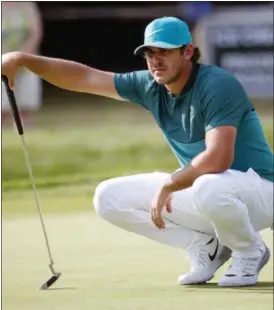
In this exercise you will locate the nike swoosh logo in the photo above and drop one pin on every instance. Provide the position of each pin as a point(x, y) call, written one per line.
point(153, 32)
point(212, 257)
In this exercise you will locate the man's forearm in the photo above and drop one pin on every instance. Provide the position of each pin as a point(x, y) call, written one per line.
point(59, 72)
point(184, 178)
point(62, 73)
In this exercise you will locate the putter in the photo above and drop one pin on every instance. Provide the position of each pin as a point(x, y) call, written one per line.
point(17, 119)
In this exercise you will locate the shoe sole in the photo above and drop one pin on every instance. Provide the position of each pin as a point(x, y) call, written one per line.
point(263, 262)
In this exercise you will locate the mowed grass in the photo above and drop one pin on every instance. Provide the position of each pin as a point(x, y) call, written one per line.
point(107, 268)
point(72, 150)
point(86, 151)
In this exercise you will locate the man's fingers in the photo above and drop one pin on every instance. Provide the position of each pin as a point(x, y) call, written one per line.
point(157, 218)
point(11, 84)
point(161, 223)
point(168, 205)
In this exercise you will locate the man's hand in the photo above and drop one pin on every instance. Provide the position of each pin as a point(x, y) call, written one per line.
point(10, 65)
point(161, 200)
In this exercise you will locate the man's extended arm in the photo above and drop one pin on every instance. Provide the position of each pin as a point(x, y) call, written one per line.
point(62, 73)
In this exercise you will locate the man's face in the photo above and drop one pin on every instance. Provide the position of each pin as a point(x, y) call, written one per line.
point(166, 65)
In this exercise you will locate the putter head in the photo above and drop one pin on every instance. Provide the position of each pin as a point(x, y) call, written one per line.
point(51, 281)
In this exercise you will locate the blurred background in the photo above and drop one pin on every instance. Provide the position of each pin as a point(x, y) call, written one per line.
point(77, 138)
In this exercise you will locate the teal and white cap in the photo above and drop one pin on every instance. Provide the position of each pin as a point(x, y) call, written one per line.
point(165, 32)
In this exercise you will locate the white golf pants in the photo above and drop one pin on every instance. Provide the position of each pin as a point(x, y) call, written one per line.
point(232, 205)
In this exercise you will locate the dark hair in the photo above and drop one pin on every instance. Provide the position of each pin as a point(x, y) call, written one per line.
point(196, 55)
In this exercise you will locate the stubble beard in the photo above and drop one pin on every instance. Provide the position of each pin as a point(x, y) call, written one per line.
point(175, 77)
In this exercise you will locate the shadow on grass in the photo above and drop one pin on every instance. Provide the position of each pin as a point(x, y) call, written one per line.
point(262, 288)
point(62, 288)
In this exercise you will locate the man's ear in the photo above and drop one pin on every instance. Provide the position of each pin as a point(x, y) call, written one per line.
point(189, 51)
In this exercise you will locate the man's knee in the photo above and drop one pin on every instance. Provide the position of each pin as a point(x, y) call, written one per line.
point(210, 191)
point(103, 198)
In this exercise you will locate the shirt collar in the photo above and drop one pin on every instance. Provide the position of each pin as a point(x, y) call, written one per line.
point(191, 79)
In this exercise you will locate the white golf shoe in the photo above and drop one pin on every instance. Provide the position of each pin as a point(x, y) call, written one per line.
point(245, 268)
point(205, 259)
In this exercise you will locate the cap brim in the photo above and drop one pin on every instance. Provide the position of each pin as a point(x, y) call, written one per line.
point(140, 49)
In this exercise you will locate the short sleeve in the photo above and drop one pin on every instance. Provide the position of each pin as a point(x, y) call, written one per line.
point(132, 86)
point(225, 102)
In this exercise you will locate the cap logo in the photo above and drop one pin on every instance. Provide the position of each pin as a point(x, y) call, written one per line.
point(153, 32)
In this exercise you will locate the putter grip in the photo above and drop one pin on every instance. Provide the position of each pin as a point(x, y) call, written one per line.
point(13, 105)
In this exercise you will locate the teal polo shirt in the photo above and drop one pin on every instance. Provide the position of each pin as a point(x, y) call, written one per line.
point(212, 97)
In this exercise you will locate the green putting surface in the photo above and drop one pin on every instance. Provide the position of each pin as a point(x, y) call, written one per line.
point(105, 267)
